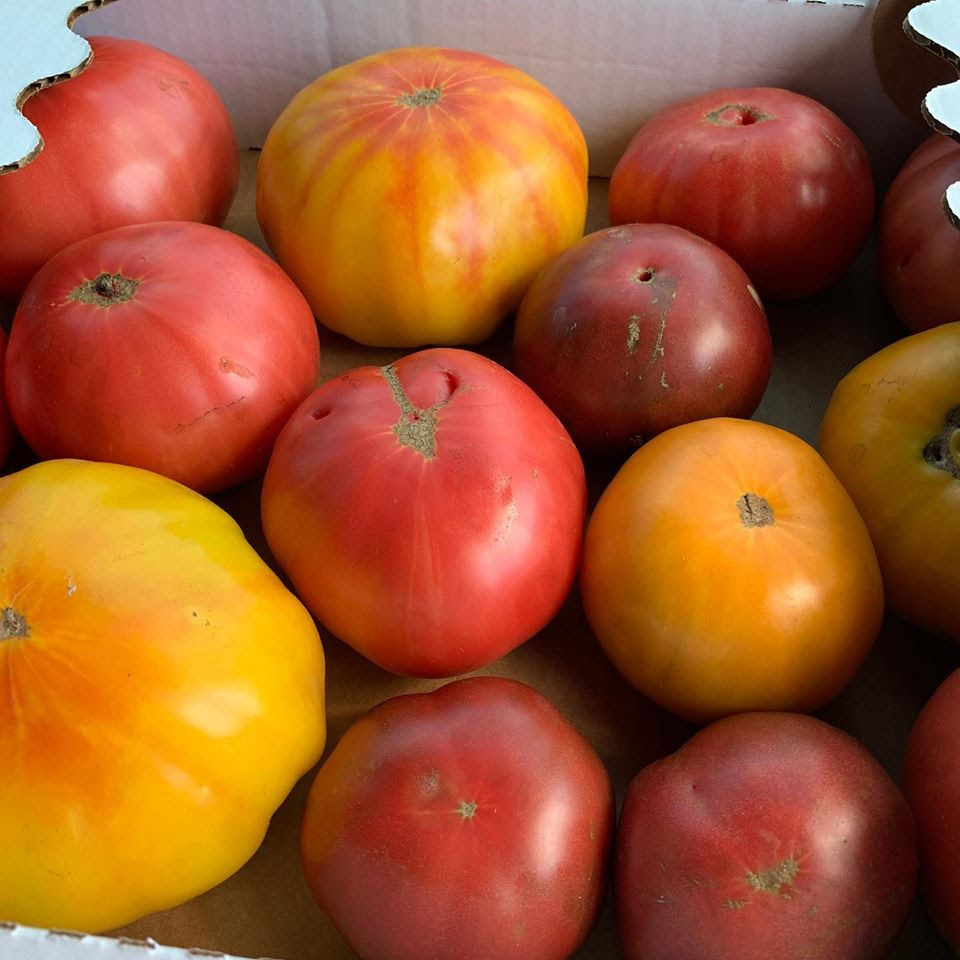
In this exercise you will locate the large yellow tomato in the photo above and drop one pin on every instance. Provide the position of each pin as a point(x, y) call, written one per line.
point(891, 433)
point(726, 569)
point(160, 693)
point(414, 194)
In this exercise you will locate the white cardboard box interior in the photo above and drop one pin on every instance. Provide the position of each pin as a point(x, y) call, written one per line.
point(614, 63)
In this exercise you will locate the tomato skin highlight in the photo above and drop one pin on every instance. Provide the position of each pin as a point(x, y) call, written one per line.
point(774, 178)
point(470, 822)
point(766, 834)
point(138, 136)
point(430, 513)
point(414, 193)
point(176, 347)
point(161, 691)
point(726, 569)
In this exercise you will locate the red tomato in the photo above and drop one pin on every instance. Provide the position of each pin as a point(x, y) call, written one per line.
point(931, 781)
point(415, 193)
point(177, 347)
point(765, 835)
point(639, 328)
point(772, 177)
point(429, 513)
point(463, 824)
point(918, 248)
point(138, 136)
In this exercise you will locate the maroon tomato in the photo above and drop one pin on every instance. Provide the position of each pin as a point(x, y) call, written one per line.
point(463, 824)
point(931, 781)
point(138, 136)
point(765, 835)
point(918, 248)
point(774, 178)
point(178, 347)
point(429, 513)
point(639, 328)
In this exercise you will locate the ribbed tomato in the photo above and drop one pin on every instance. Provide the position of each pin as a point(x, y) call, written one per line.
point(413, 194)
point(137, 136)
point(726, 569)
point(160, 693)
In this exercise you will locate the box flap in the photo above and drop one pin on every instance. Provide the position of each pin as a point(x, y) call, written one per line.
point(613, 62)
point(44, 51)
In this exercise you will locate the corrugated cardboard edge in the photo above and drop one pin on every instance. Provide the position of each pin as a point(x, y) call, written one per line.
point(936, 26)
point(25, 943)
point(40, 83)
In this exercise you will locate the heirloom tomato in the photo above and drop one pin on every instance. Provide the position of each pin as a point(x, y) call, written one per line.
point(772, 177)
point(639, 328)
point(765, 835)
point(726, 569)
point(931, 780)
point(463, 824)
point(160, 693)
point(918, 247)
point(429, 512)
point(177, 347)
point(139, 135)
point(891, 433)
point(413, 194)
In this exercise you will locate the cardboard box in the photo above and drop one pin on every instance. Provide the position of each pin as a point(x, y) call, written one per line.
point(614, 63)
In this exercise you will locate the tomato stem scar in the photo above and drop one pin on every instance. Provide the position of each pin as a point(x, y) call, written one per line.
point(736, 115)
point(467, 808)
point(423, 97)
point(943, 450)
point(417, 427)
point(770, 881)
point(755, 511)
point(105, 290)
point(13, 624)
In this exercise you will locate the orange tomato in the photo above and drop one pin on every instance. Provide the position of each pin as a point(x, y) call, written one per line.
point(726, 569)
point(414, 194)
point(160, 693)
point(891, 433)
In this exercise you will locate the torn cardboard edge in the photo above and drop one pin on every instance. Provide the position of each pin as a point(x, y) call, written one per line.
point(935, 25)
point(53, 54)
point(29, 943)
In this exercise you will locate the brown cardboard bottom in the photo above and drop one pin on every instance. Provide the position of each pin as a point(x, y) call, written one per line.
point(265, 910)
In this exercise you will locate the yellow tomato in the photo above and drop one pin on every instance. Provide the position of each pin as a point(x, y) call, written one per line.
point(160, 693)
point(891, 433)
point(726, 569)
point(414, 194)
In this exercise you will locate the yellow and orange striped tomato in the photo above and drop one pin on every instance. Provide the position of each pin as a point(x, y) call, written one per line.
point(160, 693)
point(414, 194)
